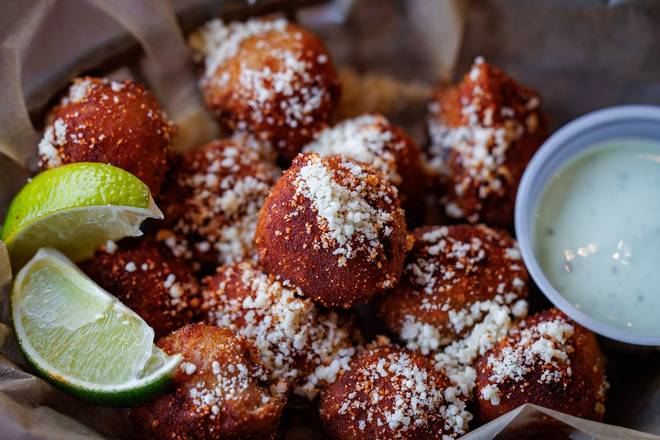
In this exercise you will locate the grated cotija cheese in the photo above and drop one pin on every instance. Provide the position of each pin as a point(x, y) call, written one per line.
point(345, 206)
point(367, 138)
point(544, 346)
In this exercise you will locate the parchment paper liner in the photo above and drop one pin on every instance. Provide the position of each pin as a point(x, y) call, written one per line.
point(392, 66)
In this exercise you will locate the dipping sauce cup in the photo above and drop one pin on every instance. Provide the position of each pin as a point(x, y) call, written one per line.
point(614, 125)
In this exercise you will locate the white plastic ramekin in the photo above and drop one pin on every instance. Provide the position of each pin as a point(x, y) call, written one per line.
point(580, 135)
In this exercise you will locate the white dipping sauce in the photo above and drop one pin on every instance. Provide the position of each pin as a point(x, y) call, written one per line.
point(597, 234)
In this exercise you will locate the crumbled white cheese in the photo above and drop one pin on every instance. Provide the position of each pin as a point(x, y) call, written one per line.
point(404, 395)
point(366, 138)
point(188, 367)
point(545, 345)
point(344, 211)
point(49, 147)
point(282, 324)
point(79, 90)
point(110, 247)
point(228, 186)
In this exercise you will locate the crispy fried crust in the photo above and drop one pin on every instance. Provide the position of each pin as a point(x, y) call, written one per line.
point(119, 123)
point(482, 132)
point(220, 391)
point(293, 241)
point(449, 269)
point(580, 386)
point(151, 282)
point(389, 392)
point(273, 316)
point(302, 345)
point(212, 200)
point(296, 98)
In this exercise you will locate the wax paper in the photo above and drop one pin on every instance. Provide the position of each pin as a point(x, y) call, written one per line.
point(579, 54)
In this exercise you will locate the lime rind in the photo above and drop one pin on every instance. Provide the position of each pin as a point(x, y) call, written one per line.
point(81, 338)
point(126, 395)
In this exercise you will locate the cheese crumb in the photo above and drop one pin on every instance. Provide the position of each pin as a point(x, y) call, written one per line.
point(110, 247)
point(79, 90)
point(53, 139)
point(188, 367)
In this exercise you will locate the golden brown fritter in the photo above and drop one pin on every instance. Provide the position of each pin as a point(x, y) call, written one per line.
point(547, 360)
point(119, 123)
point(371, 139)
point(451, 278)
point(391, 392)
point(300, 344)
point(149, 280)
point(334, 228)
point(482, 134)
point(269, 77)
point(221, 391)
point(212, 201)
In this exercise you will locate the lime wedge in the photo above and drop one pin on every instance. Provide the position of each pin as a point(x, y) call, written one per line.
point(81, 338)
point(76, 208)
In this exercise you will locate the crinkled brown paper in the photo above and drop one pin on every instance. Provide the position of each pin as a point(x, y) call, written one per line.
point(580, 54)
